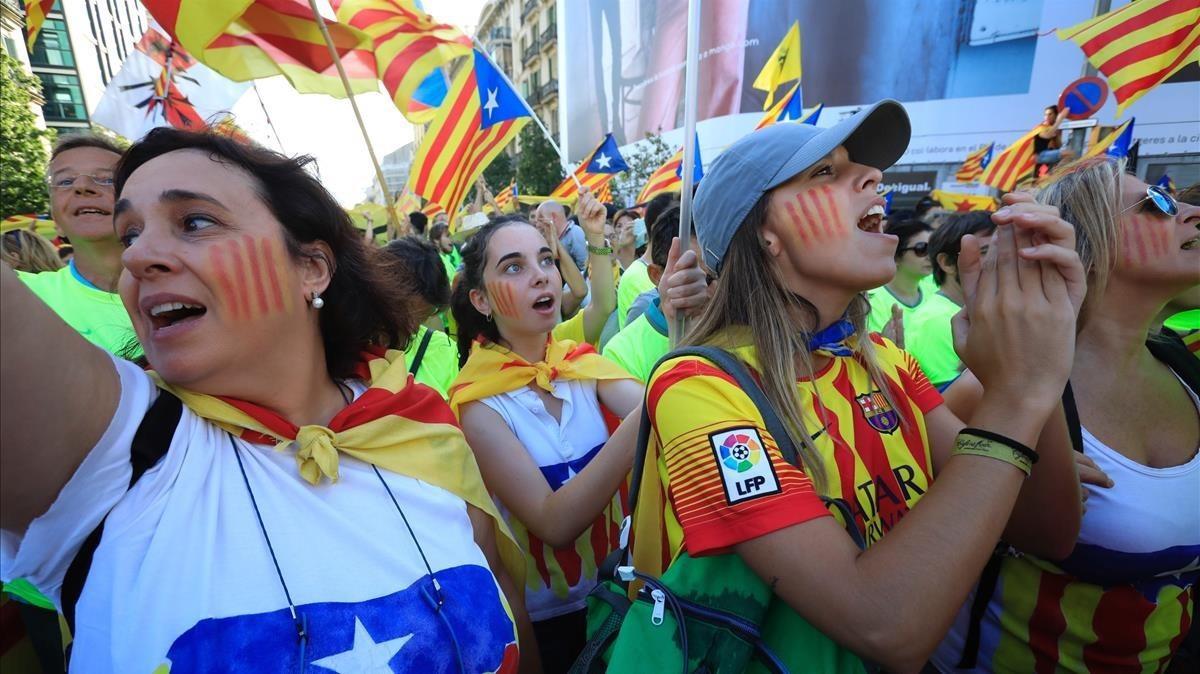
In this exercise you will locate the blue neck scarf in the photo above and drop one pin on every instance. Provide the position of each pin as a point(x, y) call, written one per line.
point(835, 341)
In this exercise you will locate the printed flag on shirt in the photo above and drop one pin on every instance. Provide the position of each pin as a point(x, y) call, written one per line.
point(1014, 164)
point(600, 166)
point(790, 108)
point(410, 45)
point(160, 84)
point(1140, 45)
point(481, 115)
point(35, 16)
point(252, 39)
point(974, 164)
point(783, 66)
point(1115, 144)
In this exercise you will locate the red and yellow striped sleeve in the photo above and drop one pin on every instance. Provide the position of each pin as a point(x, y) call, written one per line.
point(726, 479)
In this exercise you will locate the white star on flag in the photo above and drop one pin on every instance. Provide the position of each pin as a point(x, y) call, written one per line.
point(603, 160)
point(366, 655)
point(491, 101)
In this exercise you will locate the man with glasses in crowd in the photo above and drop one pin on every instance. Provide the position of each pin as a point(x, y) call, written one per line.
point(80, 180)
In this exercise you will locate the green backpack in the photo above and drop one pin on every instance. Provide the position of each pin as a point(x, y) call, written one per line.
point(713, 608)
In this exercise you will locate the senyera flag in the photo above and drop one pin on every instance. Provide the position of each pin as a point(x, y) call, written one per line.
point(1013, 165)
point(35, 16)
point(972, 168)
point(251, 39)
point(481, 115)
point(1140, 45)
point(160, 84)
point(410, 47)
point(594, 172)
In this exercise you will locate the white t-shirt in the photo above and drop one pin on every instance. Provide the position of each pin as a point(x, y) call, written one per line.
point(182, 580)
point(558, 580)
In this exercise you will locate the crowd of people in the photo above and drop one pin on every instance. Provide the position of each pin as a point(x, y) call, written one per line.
point(240, 437)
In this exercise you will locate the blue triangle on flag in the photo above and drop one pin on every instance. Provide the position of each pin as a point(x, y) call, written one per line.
point(1166, 183)
point(794, 109)
point(432, 90)
point(607, 158)
point(814, 115)
point(698, 173)
point(987, 157)
point(498, 102)
point(1120, 146)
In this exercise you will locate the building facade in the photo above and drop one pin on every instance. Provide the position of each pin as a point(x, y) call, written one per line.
point(395, 167)
point(12, 31)
point(78, 51)
point(522, 38)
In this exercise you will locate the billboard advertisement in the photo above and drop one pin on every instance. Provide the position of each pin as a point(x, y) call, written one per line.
point(969, 72)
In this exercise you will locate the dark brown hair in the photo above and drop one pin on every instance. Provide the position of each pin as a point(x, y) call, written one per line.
point(367, 301)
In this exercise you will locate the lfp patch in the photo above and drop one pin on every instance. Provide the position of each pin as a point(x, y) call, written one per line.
point(746, 471)
point(878, 412)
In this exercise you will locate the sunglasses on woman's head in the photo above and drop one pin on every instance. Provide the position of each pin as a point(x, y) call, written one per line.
point(920, 249)
point(1161, 200)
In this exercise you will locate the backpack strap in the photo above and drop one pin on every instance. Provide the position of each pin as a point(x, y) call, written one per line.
point(420, 355)
point(1168, 347)
point(150, 444)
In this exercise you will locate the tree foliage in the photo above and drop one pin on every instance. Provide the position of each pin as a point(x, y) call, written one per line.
point(538, 168)
point(644, 160)
point(23, 146)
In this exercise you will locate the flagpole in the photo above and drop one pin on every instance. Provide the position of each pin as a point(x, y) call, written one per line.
point(393, 225)
point(263, 104)
point(691, 81)
point(562, 159)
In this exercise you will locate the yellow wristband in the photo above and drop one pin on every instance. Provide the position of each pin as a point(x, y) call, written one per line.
point(976, 446)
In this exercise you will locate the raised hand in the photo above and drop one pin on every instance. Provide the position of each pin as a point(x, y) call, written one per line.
point(1052, 240)
point(894, 329)
point(592, 215)
point(683, 285)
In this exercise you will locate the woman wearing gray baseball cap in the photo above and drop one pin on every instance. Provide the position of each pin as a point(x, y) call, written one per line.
point(789, 219)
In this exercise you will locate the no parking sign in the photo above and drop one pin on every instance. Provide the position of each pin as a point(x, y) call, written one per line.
point(1083, 97)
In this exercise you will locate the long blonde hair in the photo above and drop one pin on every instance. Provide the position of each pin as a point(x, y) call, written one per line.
point(26, 251)
point(751, 294)
point(1087, 194)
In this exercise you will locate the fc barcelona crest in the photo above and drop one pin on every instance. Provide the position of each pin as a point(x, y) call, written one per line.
point(878, 412)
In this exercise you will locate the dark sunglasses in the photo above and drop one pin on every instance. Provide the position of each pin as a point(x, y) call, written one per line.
point(1162, 200)
point(920, 249)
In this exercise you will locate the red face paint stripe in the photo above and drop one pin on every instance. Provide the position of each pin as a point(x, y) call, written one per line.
point(797, 221)
point(243, 294)
point(810, 219)
point(223, 278)
point(822, 217)
point(254, 267)
point(835, 213)
point(270, 261)
point(1140, 238)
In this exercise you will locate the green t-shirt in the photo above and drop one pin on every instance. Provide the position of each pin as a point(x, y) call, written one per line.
point(1184, 321)
point(451, 262)
point(634, 282)
point(882, 301)
point(639, 345)
point(929, 338)
point(96, 314)
point(439, 365)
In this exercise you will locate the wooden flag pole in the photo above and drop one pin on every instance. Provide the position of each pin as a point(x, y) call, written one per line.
point(562, 159)
point(690, 83)
point(393, 224)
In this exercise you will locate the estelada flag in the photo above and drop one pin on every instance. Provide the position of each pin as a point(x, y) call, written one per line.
point(783, 66)
point(974, 164)
point(507, 196)
point(1014, 164)
point(481, 115)
point(252, 39)
point(790, 108)
point(1115, 144)
point(410, 45)
point(1140, 45)
point(956, 202)
point(35, 16)
point(595, 171)
point(160, 84)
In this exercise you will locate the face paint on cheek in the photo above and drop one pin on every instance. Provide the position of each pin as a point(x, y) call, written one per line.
point(501, 294)
point(808, 219)
point(834, 221)
point(1133, 241)
point(274, 264)
point(248, 273)
point(221, 269)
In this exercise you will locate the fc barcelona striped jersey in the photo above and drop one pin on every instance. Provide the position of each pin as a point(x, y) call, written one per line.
point(726, 479)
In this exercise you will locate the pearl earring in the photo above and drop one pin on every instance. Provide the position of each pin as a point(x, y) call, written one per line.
point(317, 302)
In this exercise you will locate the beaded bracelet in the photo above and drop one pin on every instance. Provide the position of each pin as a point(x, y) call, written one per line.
point(600, 250)
point(978, 442)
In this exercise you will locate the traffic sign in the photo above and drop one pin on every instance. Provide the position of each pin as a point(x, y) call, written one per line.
point(1083, 97)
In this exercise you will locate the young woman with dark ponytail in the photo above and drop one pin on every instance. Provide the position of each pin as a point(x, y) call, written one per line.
point(538, 406)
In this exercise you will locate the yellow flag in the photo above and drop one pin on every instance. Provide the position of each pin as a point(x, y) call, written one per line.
point(783, 66)
point(956, 202)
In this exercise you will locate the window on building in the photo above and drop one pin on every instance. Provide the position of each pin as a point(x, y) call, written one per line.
point(52, 47)
point(551, 17)
point(64, 98)
point(535, 80)
point(10, 46)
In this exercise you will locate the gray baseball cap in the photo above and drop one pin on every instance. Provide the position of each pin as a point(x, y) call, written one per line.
point(876, 136)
